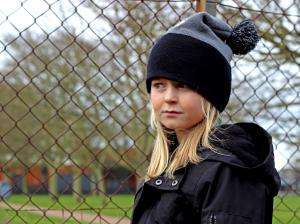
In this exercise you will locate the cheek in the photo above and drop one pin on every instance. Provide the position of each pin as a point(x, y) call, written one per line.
point(192, 105)
point(156, 100)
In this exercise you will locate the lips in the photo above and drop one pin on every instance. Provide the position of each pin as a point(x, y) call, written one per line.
point(172, 112)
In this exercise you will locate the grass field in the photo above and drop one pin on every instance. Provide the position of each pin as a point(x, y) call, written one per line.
point(117, 205)
point(20, 217)
point(286, 209)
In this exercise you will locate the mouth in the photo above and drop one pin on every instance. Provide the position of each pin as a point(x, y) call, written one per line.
point(172, 112)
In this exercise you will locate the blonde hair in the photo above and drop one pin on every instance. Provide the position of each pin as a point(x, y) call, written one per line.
point(186, 151)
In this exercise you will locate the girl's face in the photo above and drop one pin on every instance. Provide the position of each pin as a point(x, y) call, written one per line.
point(167, 95)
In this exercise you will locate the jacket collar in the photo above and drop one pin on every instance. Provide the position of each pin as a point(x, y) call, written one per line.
point(159, 183)
point(164, 183)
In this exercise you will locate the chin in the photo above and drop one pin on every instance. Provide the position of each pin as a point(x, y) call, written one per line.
point(171, 126)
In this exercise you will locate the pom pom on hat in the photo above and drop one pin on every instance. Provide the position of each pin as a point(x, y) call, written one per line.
point(243, 38)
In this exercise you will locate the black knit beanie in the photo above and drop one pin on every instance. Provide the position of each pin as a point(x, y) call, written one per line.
point(197, 52)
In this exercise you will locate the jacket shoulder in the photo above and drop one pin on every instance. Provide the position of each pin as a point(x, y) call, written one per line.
point(214, 174)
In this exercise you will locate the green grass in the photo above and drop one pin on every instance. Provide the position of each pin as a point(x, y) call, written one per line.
point(286, 208)
point(20, 217)
point(116, 205)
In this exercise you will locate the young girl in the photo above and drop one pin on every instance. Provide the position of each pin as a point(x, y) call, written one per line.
point(201, 171)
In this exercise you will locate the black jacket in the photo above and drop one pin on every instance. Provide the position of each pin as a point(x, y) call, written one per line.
point(236, 188)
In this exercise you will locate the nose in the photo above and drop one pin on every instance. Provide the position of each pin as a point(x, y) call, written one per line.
point(170, 94)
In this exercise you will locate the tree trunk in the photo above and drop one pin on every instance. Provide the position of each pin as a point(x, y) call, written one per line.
point(94, 190)
point(77, 192)
point(100, 185)
point(52, 182)
point(24, 182)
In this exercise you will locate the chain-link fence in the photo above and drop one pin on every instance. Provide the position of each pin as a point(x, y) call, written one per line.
point(75, 136)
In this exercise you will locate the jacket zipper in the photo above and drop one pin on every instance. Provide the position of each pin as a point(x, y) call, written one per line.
point(212, 219)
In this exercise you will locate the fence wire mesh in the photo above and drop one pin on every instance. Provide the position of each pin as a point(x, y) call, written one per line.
point(75, 136)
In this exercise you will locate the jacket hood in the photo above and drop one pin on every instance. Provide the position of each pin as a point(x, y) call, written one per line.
point(246, 146)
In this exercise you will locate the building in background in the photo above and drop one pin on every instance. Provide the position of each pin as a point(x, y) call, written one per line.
point(117, 180)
